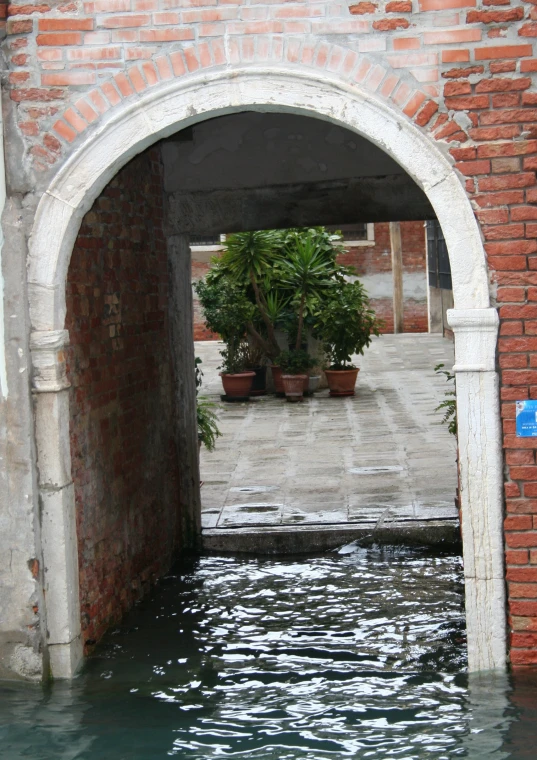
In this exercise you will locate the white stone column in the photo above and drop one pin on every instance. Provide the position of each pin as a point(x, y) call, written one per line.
point(481, 484)
point(57, 502)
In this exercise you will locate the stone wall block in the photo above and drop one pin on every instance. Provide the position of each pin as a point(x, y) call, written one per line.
point(60, 557)
point(52, 422)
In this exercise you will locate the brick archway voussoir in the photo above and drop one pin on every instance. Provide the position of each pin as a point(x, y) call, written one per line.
point(350, 66)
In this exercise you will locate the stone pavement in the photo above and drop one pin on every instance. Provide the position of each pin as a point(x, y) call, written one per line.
point(379, 463)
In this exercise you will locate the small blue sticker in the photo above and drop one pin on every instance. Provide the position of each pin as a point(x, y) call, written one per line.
point(526, 419)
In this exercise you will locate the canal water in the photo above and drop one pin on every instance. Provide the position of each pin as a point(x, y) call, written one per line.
point(359, 653)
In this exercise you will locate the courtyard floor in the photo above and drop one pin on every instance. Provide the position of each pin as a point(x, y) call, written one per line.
point(379, 460)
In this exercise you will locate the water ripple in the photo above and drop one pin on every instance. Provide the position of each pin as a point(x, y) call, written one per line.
point(355, 655)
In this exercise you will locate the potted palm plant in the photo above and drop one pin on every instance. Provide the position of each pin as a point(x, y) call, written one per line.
point(345, 323)
point(248, 261)
point(295, 365)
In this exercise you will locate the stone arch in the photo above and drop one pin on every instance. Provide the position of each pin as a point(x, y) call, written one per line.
point(160, 111)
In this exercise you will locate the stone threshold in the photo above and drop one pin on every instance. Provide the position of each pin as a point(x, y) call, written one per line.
point(283, 539)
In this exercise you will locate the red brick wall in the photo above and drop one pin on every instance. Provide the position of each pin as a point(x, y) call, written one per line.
point(121, 400)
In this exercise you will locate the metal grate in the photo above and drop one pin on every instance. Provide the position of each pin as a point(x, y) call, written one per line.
point(349, 231)
point(437, 257)
point(205, 240)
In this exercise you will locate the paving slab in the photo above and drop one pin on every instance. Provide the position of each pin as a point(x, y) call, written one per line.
point(379, 462)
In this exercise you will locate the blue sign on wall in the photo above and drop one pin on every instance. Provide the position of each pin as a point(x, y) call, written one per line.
point(526, 419)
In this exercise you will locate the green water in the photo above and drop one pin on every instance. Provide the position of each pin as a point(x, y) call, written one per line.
point(360, 654)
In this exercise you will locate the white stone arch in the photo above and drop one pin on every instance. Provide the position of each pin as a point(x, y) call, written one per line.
point(164, 110)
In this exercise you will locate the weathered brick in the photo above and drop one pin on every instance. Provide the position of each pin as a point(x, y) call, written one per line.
point(503, 85)
point(508, 181)
point(390, 24)
point(491, 200)
point(502, 67)
point(426, 113)
point(504, 231)
point(519, 148)
point(59, 39)
point(457, 88)
point(519, 540)
point(494, 17)
point(520, 522)
point(497, 216)
point(470, 103)
point(359, 9)
point(463, 72)
point(516, 556)
point(399, 6)
point(528, 30)
point(503, 51)
point(65, 24)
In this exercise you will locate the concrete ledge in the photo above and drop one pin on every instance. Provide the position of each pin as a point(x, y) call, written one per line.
point(441, 534)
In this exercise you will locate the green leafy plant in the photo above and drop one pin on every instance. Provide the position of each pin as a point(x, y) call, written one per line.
point(208, 430)
point(449, 405)
point(296, 362)
point(207, 419)
point(285, 276)
point(345, 323)
point(235, 358)
point(228, 312)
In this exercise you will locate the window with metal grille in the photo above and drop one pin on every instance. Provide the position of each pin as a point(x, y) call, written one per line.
point(437, 257)
point(205, 240)
point(350, 232)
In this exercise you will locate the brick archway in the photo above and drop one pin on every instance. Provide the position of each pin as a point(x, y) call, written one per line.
point(159, 111)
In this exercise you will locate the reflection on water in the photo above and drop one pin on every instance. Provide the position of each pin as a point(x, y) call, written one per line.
point(353, 655)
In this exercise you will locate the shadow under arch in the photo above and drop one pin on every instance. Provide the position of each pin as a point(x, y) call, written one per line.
point(174, 106)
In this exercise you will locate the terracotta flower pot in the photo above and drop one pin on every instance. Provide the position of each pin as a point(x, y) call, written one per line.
point(341, 381)
point(294, 386)
point(277, 378)
point(237, 385)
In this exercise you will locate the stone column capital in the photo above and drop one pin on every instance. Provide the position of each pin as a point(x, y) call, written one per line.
point(48, 360)
point(476, 333)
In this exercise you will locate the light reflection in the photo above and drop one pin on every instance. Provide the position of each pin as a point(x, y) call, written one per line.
point(354, 655)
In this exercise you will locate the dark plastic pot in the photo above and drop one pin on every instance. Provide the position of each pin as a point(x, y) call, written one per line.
point(237, 385)
point(259, 386)
point(341, 381)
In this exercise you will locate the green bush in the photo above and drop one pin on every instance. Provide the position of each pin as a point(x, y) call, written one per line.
point(288, 280)
point(345, 323)
point(207, 419)
point(449, 405)
point(296, 362)
point(227, 312)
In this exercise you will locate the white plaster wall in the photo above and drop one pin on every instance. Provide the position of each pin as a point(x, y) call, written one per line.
point(380, 285)
point(3, 366)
